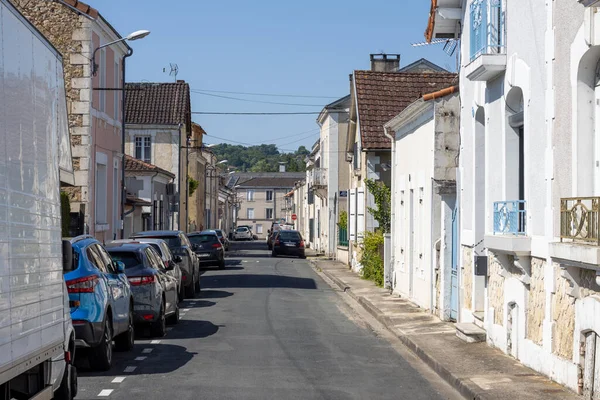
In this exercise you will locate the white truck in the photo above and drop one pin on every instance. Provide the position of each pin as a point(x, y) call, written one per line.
point(37, 340)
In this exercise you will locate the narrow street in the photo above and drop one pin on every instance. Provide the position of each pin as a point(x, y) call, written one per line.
point(264, 328)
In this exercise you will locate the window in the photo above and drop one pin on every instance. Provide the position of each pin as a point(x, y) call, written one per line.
point(251, 213)
point(101, 190)
point(269, 195)
point(250, 195)
point(142, 148)
point(269, 213)
point(102, 71)
point(487, 35)
point(95, 259)
point(259, 228)
point(116, 93)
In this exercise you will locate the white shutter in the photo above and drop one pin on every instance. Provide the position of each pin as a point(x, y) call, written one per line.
point(360, 212)
point(352, 212)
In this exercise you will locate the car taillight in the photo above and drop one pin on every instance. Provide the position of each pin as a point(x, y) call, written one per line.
point(301, 243)
point(277, 242)
point(141, 280)
point(82, 285)
point(217, 246)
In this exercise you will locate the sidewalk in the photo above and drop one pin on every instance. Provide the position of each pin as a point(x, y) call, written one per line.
point(476, 370)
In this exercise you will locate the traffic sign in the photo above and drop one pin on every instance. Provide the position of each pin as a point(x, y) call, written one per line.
point(294, 217)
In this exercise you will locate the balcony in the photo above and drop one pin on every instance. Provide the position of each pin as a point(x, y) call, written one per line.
point(510, 234)
point(488, 40)
point(318, 177)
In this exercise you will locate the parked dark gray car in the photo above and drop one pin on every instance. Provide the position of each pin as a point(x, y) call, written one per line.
point(155, 298)
point(288, 243)
point(208, 248)
point(180, 246)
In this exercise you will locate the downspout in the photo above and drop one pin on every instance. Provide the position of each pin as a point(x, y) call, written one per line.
point(123, 188)
point(392, 211)
point(180, 180)
point(433, 258)
point(187, 185)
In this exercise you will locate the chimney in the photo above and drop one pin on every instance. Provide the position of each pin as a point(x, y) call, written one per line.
point(385, 62)
point(281, 167)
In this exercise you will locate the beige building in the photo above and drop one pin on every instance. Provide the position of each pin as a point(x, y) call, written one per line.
point(263, 198)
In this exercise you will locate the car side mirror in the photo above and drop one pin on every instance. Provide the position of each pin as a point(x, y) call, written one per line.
point(120, 267)
point(67, 256)
point(194, 247)
point(170, 266)
point(178, 259)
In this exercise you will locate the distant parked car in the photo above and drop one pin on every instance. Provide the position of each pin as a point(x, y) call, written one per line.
point(242, 233)
point(288, 243)
point(155, 297)
point(208, 248)
point(179, 246)
point(224, 240)
point(101, 302)
point(162, 248)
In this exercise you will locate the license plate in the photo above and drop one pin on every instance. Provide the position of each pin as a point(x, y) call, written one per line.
point(290, 244)
point(204, 255)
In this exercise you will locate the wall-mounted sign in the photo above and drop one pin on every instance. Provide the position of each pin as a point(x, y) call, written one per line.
point(343, 193)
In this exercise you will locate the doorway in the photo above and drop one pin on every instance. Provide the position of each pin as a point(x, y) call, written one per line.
point(591, 366)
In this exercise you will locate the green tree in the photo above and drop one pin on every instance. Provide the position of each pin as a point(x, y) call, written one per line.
point(382, 213)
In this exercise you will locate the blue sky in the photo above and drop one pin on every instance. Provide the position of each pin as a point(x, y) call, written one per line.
point(305, 48)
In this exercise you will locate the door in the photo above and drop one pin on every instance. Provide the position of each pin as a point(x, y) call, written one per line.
point(454, 270)
point(591, 367)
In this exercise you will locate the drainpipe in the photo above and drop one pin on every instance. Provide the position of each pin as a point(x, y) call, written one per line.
point(123, 188)
point(179, 181)
point(392, 211)
point(432, 262)
point(187, 185)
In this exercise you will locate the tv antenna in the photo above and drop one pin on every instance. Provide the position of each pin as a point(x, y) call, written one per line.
point(174, 70)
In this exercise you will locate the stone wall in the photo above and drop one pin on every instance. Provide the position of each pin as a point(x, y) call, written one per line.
point(536, 302)
point(587, 283)
point(496, 288)
point(467, 277)
point(563, 314)
point(70, 34)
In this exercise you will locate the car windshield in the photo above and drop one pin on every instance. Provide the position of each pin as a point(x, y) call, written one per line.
point(129, 258)
point(219, 233)
point(241, 230)
point(172, 241)
point(289, 235)
point(198, 239)
point(156, 247)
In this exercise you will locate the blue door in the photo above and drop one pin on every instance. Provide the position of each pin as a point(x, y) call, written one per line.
point(454, 274)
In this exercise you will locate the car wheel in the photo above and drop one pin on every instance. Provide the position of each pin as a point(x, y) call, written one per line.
point(101, 356)
point(125, 341)
point(174, 318)
point(159, 327)
point(68, 385)
point(273, 254)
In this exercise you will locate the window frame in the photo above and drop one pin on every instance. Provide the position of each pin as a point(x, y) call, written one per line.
point(145, 147)
point(267, 213)
point(271, 193)
point(248, 210)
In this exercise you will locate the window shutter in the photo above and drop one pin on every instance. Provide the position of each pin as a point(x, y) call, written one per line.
point(360, 212)
point(352, 219)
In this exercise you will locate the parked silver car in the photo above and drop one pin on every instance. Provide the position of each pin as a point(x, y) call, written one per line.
point(242, 233)
point(155, 298)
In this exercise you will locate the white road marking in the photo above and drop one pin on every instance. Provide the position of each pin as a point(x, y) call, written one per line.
point(118, 379)
point(147, 351)
point(105, 392)
point(182, 314)
point(130, 368)
point(185, 309)
point(155, 341)
point(258, 261)
point(142, 358)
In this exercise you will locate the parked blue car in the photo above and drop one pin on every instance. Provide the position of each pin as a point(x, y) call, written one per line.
point(101, 302)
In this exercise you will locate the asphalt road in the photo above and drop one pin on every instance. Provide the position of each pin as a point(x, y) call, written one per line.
point(263, 328)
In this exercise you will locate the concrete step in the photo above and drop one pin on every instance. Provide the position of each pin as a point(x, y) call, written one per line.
point(470, 333)
point(479, 318)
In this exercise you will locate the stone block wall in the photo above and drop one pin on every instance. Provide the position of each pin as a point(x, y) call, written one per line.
point(563, 314)
point(536, 302)
point(496, 288)
point(467, 277)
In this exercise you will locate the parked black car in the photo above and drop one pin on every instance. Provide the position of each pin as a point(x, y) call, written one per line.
point(155, 297)
point(208, 248)
point(288, 243)
point(180, 246)
point(224, 240)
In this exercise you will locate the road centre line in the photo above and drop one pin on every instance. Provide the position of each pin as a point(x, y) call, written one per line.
point(131, 368)
point(185, 309)
point(105, 392)
point(142, 358)
point(118, 379)
point(148, 350)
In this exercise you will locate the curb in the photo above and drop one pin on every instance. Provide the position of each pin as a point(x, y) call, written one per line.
point(467, 389)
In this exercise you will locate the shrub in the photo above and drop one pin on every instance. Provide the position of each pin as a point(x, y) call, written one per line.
point(371, 260)
point(193, 185)
point(343, 220)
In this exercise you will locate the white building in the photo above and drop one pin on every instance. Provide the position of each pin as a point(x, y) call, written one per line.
point(529, 172)
point(424, 162)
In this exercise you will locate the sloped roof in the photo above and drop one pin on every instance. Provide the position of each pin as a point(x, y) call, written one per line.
point(283, 182)
point(158, 103)
point(134, 165)
point(380, 96)
point(81, 7)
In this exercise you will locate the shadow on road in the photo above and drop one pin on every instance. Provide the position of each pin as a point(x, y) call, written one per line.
point(192, 329)
point(257, 281)
point(214, 294)
point(200, 304)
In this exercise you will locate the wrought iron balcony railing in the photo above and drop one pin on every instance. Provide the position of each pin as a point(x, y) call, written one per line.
point(487, 35)
point(580, 219)
point(509, 217)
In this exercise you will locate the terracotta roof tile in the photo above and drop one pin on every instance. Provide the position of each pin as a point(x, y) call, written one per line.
point(275, 182)
point(381, 96)
point(82, 8)
point(134, 165)
point(158, 103)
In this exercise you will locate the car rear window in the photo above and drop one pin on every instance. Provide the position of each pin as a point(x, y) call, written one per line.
point(156, 247)
point(172, 241)
point(241, 229)
point(289, 235)
point(130, 259)
point(197, 239)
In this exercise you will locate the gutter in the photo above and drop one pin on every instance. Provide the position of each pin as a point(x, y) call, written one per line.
point(441, 93)
point(431, 22)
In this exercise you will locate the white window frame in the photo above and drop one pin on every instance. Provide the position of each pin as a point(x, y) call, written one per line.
point(250, 213)
point(259, 228)
point(267, 213)
point(143, 141)
point(267, 193)
point(250, 195)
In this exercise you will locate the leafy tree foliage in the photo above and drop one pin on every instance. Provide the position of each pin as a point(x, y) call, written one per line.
point(383, 212)
point(263, 158)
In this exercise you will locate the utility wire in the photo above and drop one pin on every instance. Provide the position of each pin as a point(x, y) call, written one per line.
point(256, 101)
point(256, 113)
point(266, 94)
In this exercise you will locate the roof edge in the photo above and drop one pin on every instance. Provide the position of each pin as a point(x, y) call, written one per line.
point(431, 21)
point(441, 93)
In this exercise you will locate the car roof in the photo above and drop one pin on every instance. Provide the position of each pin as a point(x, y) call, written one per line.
point(83, 241)
point(156, 233)
point(127, 247)
point(206, 232)
point(288, 230)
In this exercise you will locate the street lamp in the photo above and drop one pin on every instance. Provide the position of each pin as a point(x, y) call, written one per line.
point(132, 36)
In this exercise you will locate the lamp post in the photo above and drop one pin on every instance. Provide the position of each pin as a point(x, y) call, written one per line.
point(131, 37)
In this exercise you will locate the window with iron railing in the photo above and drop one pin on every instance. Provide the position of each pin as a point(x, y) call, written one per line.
point(509, 217)
point(488, 28)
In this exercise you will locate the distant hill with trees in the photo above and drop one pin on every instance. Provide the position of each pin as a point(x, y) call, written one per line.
point(262, 158)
